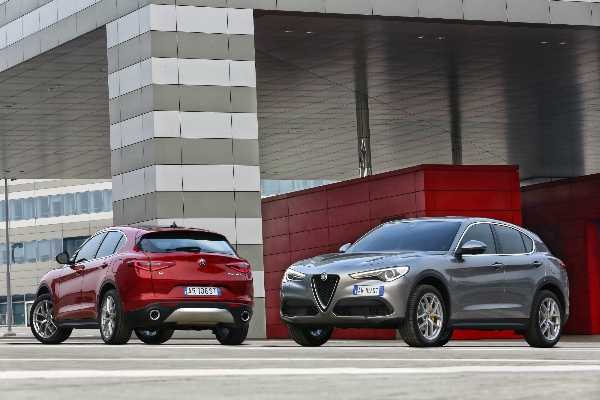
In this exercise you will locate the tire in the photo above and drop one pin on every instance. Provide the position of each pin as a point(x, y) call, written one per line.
point(43, 322)
point(411, 332)
point(446, 336)
point(154, 337)
point(113, 328)
point(309, 337)
point(231, 336)
point(546, 311)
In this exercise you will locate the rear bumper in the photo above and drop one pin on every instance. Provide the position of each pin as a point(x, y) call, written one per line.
point(189, 315)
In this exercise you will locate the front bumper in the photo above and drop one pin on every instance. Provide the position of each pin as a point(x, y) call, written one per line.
point(189, 315)
point(299, 304)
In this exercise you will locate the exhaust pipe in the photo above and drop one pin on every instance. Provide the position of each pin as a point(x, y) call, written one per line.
point(154, 315)
point(245, 316)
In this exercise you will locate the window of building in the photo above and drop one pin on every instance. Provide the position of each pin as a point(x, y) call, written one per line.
point(71, 244)
point(16, 209)
point(55, 205)
point(17, 255)
point(41, 205)
point(108, 202)
point(30, 252)
point(82, 203)
point(2, 211)
point(68, 204)
point(43, 248)
point(29, 208)
point(96, 201)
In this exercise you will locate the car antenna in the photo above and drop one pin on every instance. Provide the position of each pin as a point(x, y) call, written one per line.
point(173, 225)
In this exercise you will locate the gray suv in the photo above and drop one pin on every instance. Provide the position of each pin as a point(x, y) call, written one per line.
point(428, 277)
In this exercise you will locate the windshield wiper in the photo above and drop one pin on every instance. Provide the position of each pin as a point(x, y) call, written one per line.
point(192, 249)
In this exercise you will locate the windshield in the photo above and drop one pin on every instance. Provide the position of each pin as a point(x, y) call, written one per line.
point(408, 236)
point(191, 242)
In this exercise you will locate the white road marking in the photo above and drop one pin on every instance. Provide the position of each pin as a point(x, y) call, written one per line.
point(163, 373)
point(295, 359)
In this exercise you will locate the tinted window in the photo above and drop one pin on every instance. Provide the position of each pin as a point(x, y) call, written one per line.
point(541, 247)
point(88, 251)
point(162, 242)
point(510, 240)
point(120, 244)
point(30, 251)
point(482, 233)
point(110, 243)
point(528, 243)
point(406, 236)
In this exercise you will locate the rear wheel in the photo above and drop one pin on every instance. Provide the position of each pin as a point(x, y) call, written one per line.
point(43, 322)
point(153, 337)
point(545, 327)
point(113, 328)
point(425, 326)
point(231, 336)
point(311, 337)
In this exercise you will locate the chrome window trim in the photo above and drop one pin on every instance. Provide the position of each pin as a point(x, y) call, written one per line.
point(495, 254)
point(107, 231)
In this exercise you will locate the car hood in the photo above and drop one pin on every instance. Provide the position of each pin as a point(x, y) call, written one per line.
point(354, 262)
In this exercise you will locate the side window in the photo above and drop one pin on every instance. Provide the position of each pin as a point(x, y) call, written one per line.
point(120, 244)
point(482, 233)
point(511, 240)
point(88, 251)
point(528, 243)
point(109, 244)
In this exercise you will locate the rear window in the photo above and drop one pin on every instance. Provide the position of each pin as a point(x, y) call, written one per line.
point(191, 242)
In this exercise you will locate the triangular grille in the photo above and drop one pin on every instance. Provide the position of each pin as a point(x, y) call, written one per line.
point(324, 289)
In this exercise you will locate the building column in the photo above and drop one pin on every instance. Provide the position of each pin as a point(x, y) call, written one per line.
point(184, 130)
point(364, 135)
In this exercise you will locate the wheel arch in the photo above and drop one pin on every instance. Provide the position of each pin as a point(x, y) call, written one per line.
point(43, 289)
point(554, 288)
point(438, 282)
point(106, 287)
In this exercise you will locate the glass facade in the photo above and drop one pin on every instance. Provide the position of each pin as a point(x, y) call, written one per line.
point(21, 306)
point(272, 187)
point(55, 206)
point(32, 251)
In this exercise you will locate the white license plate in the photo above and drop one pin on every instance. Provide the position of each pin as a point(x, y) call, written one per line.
point(201, 291)
point(361, 290)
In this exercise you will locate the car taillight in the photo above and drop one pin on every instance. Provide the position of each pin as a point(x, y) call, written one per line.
point(239, 267)
point(151, 265)
point(563, 266)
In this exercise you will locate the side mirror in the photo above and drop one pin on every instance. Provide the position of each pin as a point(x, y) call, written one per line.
point(63, 258)
point(472, 247)
point(345, 247)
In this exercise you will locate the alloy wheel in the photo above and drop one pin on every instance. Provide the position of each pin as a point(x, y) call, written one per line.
point(43, 319)
point(108, 316)
point(430, 316)
point(549, 319)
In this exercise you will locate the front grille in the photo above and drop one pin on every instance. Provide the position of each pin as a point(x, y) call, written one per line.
point(324, 289)
point(299, 311)
point(362, 311)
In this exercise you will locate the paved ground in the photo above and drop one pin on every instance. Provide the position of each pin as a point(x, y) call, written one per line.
point(85, 368)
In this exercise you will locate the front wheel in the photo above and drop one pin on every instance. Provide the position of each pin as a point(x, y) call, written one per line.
point(310, 337)
point(43, 322)
point(545, 327)
point(426, 325)
point(154, 337)
point(113, 328)
point(231, 336)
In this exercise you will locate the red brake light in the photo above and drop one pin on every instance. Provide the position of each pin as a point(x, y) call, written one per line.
point(239, 267)
point(151, 265)
point(563, 266)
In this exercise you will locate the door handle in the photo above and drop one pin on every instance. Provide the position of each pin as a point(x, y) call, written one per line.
point(497, 265)
point(104, 265)
point(536, 264)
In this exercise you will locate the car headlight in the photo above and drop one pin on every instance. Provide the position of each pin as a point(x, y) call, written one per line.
point(291, 275)
point(385, 274)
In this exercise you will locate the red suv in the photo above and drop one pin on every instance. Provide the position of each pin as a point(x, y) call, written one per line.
point(148, 280)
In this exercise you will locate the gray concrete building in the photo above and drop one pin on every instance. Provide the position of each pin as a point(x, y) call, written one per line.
point(187, 104)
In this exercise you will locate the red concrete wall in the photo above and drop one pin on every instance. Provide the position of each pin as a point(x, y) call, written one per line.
point(317, 221)
point(565, 215)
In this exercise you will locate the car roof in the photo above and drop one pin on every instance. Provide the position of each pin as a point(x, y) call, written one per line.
point(149, 229)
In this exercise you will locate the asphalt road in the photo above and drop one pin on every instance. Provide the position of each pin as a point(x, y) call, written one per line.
point(85, 368)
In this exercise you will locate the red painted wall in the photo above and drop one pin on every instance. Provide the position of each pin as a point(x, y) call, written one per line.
point(565, 215)
point(317, 221)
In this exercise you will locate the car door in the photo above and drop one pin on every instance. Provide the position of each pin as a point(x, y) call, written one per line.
point(524, 269)
point(70, 284)
point(94, 274)
point(479, 279)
